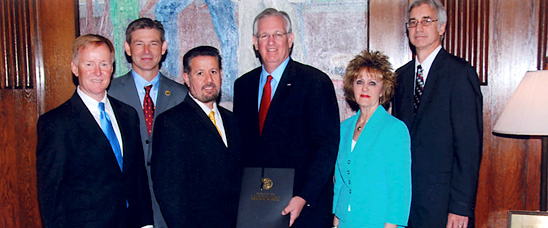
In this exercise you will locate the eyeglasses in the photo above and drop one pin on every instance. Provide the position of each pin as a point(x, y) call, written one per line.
point(276, 35)
point(413, 23)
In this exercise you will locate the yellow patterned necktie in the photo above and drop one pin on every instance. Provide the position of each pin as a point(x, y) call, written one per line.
point(212, 118)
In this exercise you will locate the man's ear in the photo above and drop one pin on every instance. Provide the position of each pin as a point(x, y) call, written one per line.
point(127, 48)
point(290, 38)
point(255, 43)
point(74, 68)
point(186, 79)
point(164, 47)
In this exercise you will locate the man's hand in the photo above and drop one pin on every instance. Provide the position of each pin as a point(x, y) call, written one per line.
point(456, 221)
point(294, 208)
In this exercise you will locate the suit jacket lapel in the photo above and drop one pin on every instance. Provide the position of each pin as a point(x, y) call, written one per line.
point(371, 130)
point(227, 125)
point(163, 94)
point(123, 125)
point(432, 80)
point(85, 120)
point(408, 92)
point(131, 95)
point(203, 118)
point(282, 91)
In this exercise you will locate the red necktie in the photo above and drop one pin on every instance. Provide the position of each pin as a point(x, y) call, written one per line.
point(148, 109)
point(265, 103)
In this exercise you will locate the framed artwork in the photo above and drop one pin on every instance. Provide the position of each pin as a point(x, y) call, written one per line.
point(527, 219)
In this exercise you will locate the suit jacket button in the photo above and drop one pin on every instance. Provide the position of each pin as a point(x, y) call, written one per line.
point(147, 141)
point(148, 163)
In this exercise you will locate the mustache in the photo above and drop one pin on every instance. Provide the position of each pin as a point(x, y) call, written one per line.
point(210, 84)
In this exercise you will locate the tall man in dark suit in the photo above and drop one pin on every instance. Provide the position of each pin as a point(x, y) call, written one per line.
point(144, 88)
point(195, 164)
point(88, 159)
point(292, 122)
point(439, 98)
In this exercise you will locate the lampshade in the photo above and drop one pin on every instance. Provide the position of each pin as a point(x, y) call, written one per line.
point(527, 111)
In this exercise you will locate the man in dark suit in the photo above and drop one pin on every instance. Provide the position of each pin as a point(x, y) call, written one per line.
point(439, 98)
point(144, 88)
point(89, 160)
point(292, 122)
point(195, 164)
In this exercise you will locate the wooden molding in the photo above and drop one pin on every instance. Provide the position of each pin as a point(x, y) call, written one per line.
point(542, 62)
point(17, 58)
point(467, 32)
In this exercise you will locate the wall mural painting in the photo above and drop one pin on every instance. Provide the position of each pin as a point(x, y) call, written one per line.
point(328, 33)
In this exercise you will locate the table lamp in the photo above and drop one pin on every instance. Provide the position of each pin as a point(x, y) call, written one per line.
point(527, 114)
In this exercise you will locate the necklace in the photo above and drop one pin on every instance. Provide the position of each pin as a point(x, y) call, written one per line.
point(359, 128)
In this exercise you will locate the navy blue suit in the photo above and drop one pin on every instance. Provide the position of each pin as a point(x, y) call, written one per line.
point(446, 139)
point(301, 131)
point(196, 177)
point(79, 181)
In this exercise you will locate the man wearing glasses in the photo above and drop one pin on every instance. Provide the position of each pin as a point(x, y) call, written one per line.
point(289, 118)
point(439, 98)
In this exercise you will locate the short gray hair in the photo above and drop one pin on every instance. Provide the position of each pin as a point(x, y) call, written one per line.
point(271, 12)
point(435, 5)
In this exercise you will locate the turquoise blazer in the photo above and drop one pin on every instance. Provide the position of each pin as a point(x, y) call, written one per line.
point(373, 182)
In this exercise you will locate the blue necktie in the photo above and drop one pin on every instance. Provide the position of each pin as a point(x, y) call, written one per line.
point(106, 125)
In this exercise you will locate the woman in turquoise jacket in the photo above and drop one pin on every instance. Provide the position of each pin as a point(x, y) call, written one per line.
point(373, 169)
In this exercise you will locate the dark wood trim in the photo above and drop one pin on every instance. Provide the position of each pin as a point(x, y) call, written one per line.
point(467, 33)
point(543, 35)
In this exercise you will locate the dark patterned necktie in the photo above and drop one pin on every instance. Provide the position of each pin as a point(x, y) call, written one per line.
point(265, 103)
point(419, 87)
point(148, 109)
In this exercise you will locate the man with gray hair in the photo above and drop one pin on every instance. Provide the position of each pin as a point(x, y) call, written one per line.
point(439, 99)
point(288, 116)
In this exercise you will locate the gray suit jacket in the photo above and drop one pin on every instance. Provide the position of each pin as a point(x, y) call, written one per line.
point(170, 94)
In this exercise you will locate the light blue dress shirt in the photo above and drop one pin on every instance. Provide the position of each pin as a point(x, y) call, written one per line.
point(276, 77)
point(140, 84)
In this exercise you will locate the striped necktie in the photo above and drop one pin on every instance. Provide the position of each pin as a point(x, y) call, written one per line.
point(419, 87)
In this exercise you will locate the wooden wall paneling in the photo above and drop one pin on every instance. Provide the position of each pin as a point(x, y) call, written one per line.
point(467, 32)
point(18, 99)
point(387, 32)
point(509, 174)
point(57, 23)
point(543, 35)
point(35, 39)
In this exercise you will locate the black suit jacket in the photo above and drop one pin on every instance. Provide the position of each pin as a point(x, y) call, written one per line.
point(301, 131)
point(79, 181)
point(196, 177)
point(446, 138)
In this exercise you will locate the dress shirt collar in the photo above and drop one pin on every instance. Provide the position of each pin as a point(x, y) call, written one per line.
point(140, 84)
point(276, 77)
point(218, 118)
point(93, 106)
point(204, 106)
point(427, 63)
point(276, 74)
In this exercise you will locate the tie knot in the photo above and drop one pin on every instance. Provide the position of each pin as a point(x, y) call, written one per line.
point(101, 106)
point(147, 88)
point(269, 78)
point(212, 118)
